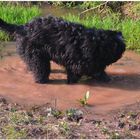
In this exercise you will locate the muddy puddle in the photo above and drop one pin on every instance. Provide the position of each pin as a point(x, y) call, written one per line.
point(17, 85)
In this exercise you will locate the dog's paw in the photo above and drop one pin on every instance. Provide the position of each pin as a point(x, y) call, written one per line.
point(71, 81)
point(41, 81)
point(102, 77)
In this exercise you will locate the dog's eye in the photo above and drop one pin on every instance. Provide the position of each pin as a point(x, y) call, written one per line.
point(93, 38)
point(31, 28)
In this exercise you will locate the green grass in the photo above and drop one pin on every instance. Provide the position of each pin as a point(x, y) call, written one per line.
point(20, 14)
point(11, 132)
point(16, 13)
point(130, 28)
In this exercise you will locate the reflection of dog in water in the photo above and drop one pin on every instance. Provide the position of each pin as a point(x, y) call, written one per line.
point(81, 50)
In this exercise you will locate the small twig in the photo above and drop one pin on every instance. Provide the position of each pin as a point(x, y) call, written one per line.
point(55, 103)
point(93, 8)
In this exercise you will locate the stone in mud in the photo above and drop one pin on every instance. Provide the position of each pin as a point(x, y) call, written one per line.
point(133, 115)
point(3, 100)
point(121, 124)
point(74, 114)
point(132, 127)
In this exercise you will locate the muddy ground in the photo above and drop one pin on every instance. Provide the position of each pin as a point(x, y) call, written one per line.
point(112, 110)
point(17, 121)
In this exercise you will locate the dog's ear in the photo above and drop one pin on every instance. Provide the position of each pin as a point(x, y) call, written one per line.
point(119, 35)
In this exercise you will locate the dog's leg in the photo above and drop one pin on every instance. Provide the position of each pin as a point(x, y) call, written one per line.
point(101, 76)
point(41, 71)
point(72, 78)
point(40, 68)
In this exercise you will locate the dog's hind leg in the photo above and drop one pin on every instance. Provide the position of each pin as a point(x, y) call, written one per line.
point(40, 67)
point(41, 71)
point(72, 77)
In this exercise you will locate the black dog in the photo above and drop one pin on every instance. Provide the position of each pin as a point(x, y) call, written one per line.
point(81, 50)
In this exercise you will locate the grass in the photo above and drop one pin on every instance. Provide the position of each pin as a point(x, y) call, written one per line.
point(129, 27)
point(11, 132)
point(16, 13)
point(20, 14)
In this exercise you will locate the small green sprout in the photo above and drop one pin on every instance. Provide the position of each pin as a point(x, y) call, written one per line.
point(84, 100)
point(64, 127)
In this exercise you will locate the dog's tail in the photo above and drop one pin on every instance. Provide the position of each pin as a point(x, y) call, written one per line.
point(10, 28)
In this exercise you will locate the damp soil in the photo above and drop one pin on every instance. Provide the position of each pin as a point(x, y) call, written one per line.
point(17, 85)
point(45, 122)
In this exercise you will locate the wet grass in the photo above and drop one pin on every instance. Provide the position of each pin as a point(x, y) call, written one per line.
point(129, 27)
point(16, 13)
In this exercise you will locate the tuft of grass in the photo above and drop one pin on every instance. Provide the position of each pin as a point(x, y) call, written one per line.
point(16, 14)
point(19, 118)
point(89, 4)
point(115, 135)
point(104, 130)
point(129, 27)
point(12, 132)
point(64, 127)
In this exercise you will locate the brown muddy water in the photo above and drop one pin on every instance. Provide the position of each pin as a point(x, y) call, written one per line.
point(17, 84)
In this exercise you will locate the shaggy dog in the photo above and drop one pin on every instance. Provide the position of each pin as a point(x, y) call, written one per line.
point(81, 50)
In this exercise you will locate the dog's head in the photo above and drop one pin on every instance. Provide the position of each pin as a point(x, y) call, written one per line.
point(112, 45)
point(117, 46)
